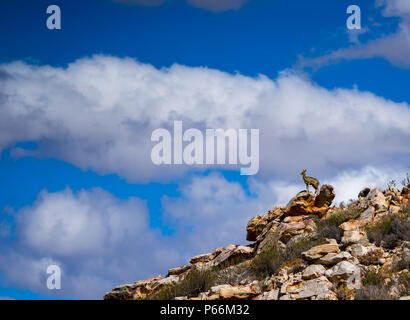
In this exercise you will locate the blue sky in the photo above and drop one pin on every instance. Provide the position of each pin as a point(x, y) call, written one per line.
point(77, 186)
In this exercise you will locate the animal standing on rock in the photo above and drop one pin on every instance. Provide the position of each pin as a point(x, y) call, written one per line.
point(310, 181)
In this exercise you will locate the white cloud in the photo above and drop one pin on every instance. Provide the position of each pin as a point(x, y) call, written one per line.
point(348, 184)
point(394, 47)
point(214, 209)
point(99, 114)
point(394, 8)
point(98, 241)
point(90, 222)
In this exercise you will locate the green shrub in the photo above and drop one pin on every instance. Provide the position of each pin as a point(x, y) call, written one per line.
point(404, 283)
point(371, 258)
point(232, 274)
point(195, 282)
point(343, 292)
point(373, 278)
point(268, 262)
point(402, 264)
point(390, 231)
point(299, 244)
point(373, 287)
point(272, 259)
point(325, 230)
point(373, 292)
point(329, 227)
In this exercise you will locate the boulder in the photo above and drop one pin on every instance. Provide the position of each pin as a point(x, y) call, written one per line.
point(367, 215)
point(295, 219)
point(405, 192)
point(354, 236)
point(393, 196)
point(351, 225)
point(364, 193)
point(325, 196)
point(318, 252)
point(315, 289)
point(236, 292)
point(300, 204)
point(255, 227)
point(178, 270)
point(289, 230)
point(304, 204)
point(333, 258)
point(119, 293)
point(394, 209)
point(313, 271)
point(266, 239)
point(139, 289)
point(346, 272)
point(201, 258)
point(207, 256)
point(357, 250)
point(229, 254)
point(270, 295)
point(374, 198)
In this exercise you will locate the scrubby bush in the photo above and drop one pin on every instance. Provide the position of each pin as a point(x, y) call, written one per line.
point(343, 292)
point(232, 274)
point(272, 259)
point(371, 258)
point(403, 263)
point(268, 262)
point(295, 265)
point(195, 282)
point(325, 230)
point(390, 230)
point(404, 283)
point(372, 292)
point(373, 278)
point(329, 227)
point(373, 287)
point(406, 181)
point(299, 244)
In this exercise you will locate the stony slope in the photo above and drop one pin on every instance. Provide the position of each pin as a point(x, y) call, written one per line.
point(306, 250)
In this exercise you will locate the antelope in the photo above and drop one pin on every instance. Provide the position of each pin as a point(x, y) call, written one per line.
point(310, 181)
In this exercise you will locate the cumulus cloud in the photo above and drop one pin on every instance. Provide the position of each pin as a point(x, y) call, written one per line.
point(86, 223)
point(99, 113)
point(394, 47)
point(97, 240)
point(214, 210)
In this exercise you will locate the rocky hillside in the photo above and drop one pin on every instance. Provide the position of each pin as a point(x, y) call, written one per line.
point(306, 250)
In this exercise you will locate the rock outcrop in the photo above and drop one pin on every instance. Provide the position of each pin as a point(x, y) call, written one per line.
point(304, 250)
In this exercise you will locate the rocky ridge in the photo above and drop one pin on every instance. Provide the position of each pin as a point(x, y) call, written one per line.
point(308, 249)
